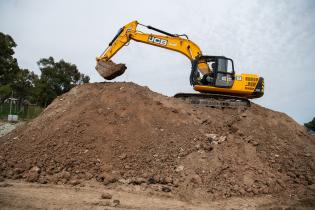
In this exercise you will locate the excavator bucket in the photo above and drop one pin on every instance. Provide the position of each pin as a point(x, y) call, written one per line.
point(109, 70)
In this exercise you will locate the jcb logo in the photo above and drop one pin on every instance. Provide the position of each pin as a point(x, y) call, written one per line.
point(157, 40)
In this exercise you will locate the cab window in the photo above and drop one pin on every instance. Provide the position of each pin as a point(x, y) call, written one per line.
point(225, 66)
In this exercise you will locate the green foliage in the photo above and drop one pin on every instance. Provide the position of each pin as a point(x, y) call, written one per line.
point(57, 78)
point(5, 90)
point(24, 84)
point(310, 125)
point(8, 65)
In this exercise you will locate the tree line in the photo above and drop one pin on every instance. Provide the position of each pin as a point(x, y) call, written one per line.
point(56, 77)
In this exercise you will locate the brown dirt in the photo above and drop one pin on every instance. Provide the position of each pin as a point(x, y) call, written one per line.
point(124, 133)
point(21, 195)
point(109, 70)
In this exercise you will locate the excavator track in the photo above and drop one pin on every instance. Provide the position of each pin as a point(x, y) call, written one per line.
point(214, 100)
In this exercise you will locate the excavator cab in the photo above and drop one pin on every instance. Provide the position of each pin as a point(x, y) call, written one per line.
point(217, 71)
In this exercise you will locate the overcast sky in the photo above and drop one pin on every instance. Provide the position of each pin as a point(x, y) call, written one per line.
point(275, 39)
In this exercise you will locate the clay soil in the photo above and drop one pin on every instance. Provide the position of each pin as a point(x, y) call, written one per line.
point(124, 135)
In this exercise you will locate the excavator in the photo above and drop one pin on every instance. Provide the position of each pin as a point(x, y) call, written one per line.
point(212, 76)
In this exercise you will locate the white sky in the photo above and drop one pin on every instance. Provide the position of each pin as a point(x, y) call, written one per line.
point(275, 39)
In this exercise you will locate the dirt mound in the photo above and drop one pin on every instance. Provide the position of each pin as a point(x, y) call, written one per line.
point(122, 132)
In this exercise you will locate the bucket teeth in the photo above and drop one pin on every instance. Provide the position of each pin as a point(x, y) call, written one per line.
point(109, 70)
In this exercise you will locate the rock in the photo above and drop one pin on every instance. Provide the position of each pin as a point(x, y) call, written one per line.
point(152, 180)
point(242, 191)
point(124, 181)
point(168, 180)
point(35, 169)
point(42, 181)
point(166, 189)
point(248, 189)
point(18, 170)
point(240, 133)
point(64, 175)
point(211, 136)
point(74, 182)
point(196, 179)
point(1, 179)
point(156, 187)
point(88, 176)
point(127, 166)
point(138, 181)
point(106, 178)
point(106, 195)
point(33, 174)
point(255, 191)
point(207, 147)
point(243, 114)
point(214, 139)
point(233, 129)
point(265, 190)
point(100, 111)
point(115, 203)
point(179, 168)
point(122, 156)
point(221, 139)
point(254, 143)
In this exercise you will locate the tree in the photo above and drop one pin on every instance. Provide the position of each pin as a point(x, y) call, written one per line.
point(310, 125)
point(24, 85)
point(8, 65)
point(56, 78)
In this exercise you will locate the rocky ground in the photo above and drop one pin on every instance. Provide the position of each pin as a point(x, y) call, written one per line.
point(125, 135)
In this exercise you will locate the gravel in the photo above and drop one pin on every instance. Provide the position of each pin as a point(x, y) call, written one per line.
point(6, 128)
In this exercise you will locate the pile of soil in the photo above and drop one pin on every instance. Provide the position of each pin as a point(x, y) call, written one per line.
point(125, 133)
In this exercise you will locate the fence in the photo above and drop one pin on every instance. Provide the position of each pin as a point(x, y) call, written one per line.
point(24, 111)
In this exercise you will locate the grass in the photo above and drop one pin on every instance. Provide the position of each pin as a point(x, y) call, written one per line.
point(24, 112)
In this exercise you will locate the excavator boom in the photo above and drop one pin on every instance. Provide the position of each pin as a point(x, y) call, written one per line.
point(213, 76)
point(179, 43)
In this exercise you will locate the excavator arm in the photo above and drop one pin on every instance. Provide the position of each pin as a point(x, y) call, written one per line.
point(218, 86)
point(174, 42)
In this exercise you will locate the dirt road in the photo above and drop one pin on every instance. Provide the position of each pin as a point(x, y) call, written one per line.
point(22, 195)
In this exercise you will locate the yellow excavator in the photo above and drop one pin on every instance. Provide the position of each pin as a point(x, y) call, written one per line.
point(212, 76)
